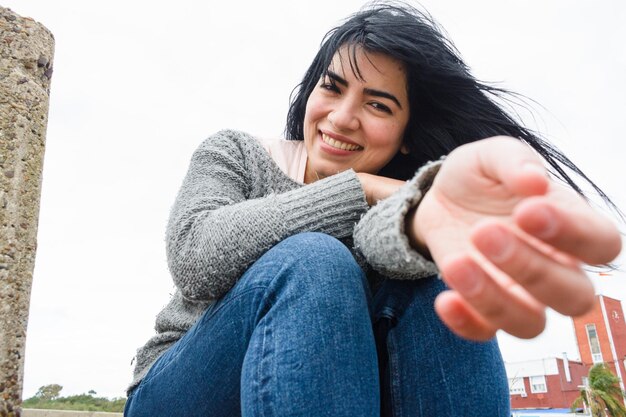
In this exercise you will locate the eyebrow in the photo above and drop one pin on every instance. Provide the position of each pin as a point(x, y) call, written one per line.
point(369, 91)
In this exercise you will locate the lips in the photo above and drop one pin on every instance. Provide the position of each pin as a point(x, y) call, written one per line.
point(338, 144)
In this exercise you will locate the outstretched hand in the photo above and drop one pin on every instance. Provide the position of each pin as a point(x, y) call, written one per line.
point(508, 241)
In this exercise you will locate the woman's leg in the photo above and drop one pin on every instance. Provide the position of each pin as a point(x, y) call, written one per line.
point(427, 370)
point(293, 337)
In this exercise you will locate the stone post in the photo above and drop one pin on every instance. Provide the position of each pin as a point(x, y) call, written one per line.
point(26, 50)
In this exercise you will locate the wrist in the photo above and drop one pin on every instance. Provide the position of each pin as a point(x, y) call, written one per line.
point(413, 232)
point(364, 178)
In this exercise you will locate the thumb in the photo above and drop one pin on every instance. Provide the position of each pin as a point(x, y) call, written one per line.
point(514, 164)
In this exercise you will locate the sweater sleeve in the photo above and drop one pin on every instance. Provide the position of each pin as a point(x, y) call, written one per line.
point(217, 229)
point(380, 238)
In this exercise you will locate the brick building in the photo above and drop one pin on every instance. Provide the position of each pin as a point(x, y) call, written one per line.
point(554, 382)
point(545, 383)
point(601, 336)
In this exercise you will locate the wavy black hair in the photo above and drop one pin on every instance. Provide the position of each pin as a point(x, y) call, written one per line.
point(448, 106)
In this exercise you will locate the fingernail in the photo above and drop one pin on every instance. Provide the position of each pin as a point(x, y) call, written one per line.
point(544, 226)
point(466, 278)
point(458, 320)
point(496, 244)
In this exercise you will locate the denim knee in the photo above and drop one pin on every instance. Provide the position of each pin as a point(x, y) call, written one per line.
point(312, 265)
point(320, 249)
point(322, 256)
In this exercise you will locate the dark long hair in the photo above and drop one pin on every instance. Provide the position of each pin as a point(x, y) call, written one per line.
point(449, 107)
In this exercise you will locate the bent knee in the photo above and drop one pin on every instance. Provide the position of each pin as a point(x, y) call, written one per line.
point(309, 269)
point(317, 247)
point(319, 260)
point(306, 262)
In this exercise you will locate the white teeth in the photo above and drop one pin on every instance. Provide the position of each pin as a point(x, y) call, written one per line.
point(339, 144)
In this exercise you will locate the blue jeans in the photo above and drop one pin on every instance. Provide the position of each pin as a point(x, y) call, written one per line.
point(300, 335)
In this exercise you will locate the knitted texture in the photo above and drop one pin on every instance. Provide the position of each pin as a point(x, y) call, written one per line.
point(235, 204)
point(380, 238)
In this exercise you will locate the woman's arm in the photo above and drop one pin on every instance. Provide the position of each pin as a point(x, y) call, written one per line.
point(232, 208)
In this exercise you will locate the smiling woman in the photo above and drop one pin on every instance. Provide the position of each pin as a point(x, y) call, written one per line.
point(356, 120)
point(308, 271)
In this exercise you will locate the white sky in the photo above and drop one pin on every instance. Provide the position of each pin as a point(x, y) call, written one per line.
point(138, 85)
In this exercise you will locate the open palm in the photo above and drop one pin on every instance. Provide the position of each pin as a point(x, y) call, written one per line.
point(509, 241)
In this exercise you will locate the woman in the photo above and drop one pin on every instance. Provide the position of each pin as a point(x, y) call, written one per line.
point(275, 315)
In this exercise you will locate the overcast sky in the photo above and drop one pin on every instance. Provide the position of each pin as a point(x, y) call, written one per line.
point(138, 85)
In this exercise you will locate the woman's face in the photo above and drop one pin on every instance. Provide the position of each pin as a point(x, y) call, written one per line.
point(356, 123)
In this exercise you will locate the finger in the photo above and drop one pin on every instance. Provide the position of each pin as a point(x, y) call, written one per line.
point(455, 314)
point(514, 164)
point(510, 309)
point(573, 228)
point(563, 287)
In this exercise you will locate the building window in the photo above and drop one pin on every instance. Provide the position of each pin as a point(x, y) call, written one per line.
point(538, 384)
point(516, 387)
point(594, 343)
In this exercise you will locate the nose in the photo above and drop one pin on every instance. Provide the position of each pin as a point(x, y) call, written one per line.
point(344, 116)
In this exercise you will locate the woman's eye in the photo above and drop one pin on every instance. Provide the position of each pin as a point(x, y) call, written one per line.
point(380, 107)
point(330, 86)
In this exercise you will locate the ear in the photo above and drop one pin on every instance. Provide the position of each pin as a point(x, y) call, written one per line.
point(404, 150)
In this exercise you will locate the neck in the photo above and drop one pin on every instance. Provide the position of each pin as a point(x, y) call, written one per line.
point(310, 175)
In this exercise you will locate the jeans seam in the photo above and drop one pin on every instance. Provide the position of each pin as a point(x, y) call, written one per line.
point(264, 394)
point(394, 375)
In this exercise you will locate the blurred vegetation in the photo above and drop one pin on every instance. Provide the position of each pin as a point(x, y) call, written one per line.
point(603, 396)
point(49, 397)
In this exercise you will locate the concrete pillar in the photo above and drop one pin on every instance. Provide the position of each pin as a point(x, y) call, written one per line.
point(26, 51)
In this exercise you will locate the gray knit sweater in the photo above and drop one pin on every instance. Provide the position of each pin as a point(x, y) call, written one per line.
point(235, 204)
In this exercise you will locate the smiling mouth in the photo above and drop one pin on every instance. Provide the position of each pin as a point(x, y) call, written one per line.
point(339, 144)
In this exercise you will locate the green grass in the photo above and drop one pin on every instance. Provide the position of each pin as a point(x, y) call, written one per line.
point(83, 402)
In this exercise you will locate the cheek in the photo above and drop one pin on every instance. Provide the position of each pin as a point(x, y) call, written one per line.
point(386, 136)
point(312, 116)
point(313, 108)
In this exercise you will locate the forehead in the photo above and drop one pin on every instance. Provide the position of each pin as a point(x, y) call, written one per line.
point(355, 63)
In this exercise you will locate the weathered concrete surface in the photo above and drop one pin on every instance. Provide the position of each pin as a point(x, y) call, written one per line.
point(60, 413)
point(26, 51)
